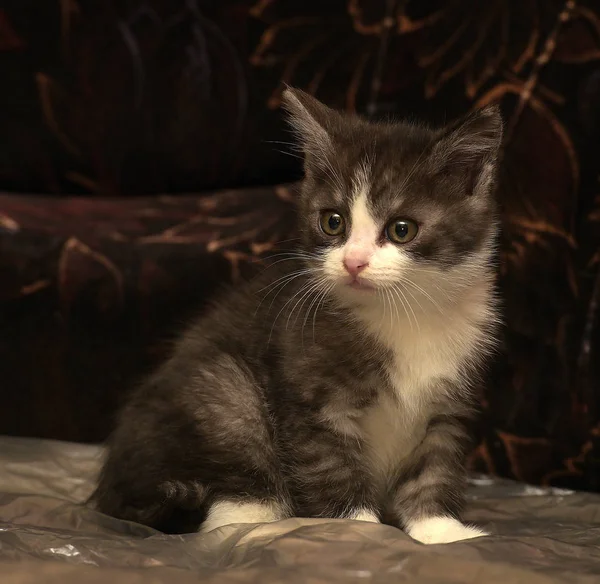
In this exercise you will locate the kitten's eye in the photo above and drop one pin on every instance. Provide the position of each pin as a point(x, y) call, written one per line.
point(402, 230)
point(332, 223)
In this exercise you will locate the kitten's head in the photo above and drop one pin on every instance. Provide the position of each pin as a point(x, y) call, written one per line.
point(395, 207)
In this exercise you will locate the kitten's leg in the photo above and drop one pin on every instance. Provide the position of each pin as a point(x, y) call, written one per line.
point(229, 512)
point(189, 439)
point(329, 475)
point(430, 496)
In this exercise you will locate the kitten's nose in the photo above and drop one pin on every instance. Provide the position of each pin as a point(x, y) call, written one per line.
point(355, 265)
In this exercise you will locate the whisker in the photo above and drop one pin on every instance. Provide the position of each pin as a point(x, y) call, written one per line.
point(300, 291)
point(321, 302)
point(397, 310)
point(291, 274)
point(381, 320)
point(281, 285)
point(402, 300)
point(390, 301)
point(281, 290)
point(303, 299)
point(401, 284)
point(387, 299)
point(315, 293)
point(288, 259)
point(315, 299)
point(287, 240)
point(436, 272)
point(411, 309)
point(287, 252)
point(286, 153)
point(292, 144)
point(425, 293)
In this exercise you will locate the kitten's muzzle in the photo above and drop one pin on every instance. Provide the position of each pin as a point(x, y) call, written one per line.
point(359, 283)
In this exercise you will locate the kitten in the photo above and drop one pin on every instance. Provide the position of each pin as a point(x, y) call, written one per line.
point(337, 383)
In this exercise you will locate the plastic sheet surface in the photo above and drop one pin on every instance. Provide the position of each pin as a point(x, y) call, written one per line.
point(47, 535)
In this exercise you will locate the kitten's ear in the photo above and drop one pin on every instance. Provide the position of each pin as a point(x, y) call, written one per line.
point(313, 122)
point(470, 149)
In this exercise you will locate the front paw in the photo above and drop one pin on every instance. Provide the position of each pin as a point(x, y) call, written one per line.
point(442, 530)
point(364, 515)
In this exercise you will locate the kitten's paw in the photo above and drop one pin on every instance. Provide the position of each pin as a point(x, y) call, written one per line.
point(442, 530)
point(233, 512)
point(364, 515)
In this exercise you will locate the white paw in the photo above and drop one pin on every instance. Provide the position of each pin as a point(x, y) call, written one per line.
point(442, 530)
point(364, 515)
point(237, 512)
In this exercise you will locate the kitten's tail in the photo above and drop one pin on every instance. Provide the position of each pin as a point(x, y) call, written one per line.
point(172, 507)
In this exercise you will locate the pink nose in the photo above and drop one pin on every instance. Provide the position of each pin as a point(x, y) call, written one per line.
point(355, 265)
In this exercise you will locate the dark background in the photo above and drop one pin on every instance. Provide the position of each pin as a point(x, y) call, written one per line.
point(140, 169)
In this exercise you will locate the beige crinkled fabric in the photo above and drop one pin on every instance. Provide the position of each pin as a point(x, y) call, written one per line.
point(540, 536)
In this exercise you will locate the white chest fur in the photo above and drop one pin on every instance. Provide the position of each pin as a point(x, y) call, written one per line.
point(392, 433)
point(423, 359)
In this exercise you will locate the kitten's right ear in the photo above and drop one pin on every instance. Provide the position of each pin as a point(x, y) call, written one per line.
point(470, 146)
point(312, 121)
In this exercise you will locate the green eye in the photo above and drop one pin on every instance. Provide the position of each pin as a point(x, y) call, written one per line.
point(332, 223)
point(402, 230)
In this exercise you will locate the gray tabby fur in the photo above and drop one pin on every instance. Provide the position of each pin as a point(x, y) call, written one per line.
point(296, 395)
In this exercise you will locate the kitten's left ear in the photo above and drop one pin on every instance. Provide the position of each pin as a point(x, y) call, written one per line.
point(314, 123)
point(470, 148)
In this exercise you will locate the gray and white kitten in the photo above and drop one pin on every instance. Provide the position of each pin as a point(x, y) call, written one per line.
point(337, 383)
